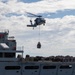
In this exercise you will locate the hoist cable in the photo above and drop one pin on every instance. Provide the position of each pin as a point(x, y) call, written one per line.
point(39, 44)
point(39, 32)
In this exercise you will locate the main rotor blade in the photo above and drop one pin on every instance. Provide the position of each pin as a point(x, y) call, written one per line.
point(33, 14)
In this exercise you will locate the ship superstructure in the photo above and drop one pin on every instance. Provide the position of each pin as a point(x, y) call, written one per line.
point(12, 65)
point(7, 43)
point(7, 46)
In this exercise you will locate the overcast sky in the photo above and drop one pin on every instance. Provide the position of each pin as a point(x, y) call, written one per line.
point(57, 36)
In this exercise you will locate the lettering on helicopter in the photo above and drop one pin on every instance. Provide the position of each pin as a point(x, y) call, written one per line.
point(38, 21)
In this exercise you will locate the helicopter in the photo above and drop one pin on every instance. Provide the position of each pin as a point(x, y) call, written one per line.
point(38, 21)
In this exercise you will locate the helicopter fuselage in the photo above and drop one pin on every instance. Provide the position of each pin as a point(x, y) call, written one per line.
point(37, 21)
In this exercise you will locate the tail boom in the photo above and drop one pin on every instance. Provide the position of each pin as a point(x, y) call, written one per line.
point(31, 26)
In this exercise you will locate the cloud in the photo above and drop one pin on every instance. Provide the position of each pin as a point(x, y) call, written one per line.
point(30, 1)
point(57, 36)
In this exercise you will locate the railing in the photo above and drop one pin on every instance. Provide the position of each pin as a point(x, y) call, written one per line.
point(4, 30)
point(20, 48)
point(11, 51)
point(10, 58)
